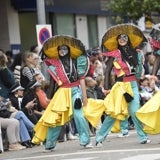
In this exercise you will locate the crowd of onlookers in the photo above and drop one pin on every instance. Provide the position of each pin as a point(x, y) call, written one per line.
point(24, 84)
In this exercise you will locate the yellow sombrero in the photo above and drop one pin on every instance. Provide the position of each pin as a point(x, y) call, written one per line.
point(109, 40)
point(50, 46)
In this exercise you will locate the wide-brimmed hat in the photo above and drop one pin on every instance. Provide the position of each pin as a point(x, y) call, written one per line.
point(17, 86)
point(109, 40)
point(155, 36)
point(33, 83)
point(50, 46)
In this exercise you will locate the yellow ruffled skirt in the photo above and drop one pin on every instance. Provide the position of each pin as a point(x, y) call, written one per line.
point(57, 113)
point(93, 111)
point(114, 105)
point(149, 115)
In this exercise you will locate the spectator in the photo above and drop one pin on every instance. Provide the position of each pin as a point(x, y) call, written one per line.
point(26, 126)
point(16, 66)
point(12, 129)
point(6, 76)
point(34, 112)
point(27, 70)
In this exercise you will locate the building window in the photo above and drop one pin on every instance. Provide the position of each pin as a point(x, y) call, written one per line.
point(65, 24)
point(92, 31)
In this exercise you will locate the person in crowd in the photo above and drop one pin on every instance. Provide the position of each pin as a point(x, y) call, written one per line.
point(119, 45)
point(32, 112)
point(91, 93)
point(16, 66)
point(10, 58)
point(40, 91)
point(16, 95)
point(37, 66)
point(6, 76)
point(147, 87)
point(93, 55)
point(68, 65)
point(11, 126)
point(27, 70)
point(101, 92)
point(26, 126)
point(34, 48)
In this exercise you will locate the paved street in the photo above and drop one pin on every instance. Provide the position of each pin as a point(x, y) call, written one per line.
point(114, 148)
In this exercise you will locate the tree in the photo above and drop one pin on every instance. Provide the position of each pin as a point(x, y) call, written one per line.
point(133, 9)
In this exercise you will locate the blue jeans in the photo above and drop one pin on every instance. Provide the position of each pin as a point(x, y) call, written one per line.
point(26, 126)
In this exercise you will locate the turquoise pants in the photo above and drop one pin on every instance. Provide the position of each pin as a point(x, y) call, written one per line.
point(108, 123)
point(80, 121)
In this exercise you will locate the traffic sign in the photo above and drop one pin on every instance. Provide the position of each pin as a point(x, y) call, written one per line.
point(43, 33)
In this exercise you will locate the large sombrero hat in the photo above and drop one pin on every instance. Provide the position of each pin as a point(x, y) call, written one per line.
point(109, 40)
point(50, 46)
point(155, 36)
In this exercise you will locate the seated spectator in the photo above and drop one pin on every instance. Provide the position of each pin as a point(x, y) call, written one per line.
point(16, 95)
point(12, 129)
point(147, 88)
point(27, 70)
point(26, 126)
point(91, 93)
point(42, 97)
point(6, 76)
point(35, 112)
point(16, 66)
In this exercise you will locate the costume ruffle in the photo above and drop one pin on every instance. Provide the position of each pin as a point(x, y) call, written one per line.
point(149, 115)
point(57, 113)
point(94, 110)
point(115, 103)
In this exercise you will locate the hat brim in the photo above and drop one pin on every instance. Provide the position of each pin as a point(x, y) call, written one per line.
point(136, 36)
point(50, 46)
point(36, 84)
point(16, 89)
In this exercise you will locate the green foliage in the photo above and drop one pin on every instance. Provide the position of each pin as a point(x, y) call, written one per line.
point(133, 9)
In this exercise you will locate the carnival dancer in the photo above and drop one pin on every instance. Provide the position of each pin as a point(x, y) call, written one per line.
point(149, 113)
point(119, 45)
point(67, 66)
point(155, 44)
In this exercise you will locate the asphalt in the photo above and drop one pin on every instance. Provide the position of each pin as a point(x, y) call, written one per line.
point(113, 148)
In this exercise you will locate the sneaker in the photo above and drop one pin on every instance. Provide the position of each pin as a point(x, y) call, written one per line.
point(71, 137)
point(123, 135)
point(20, 146)
point(99, 144)
point(146, 141)
point(15, 147)
point(89, 145)
point(48, 150)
